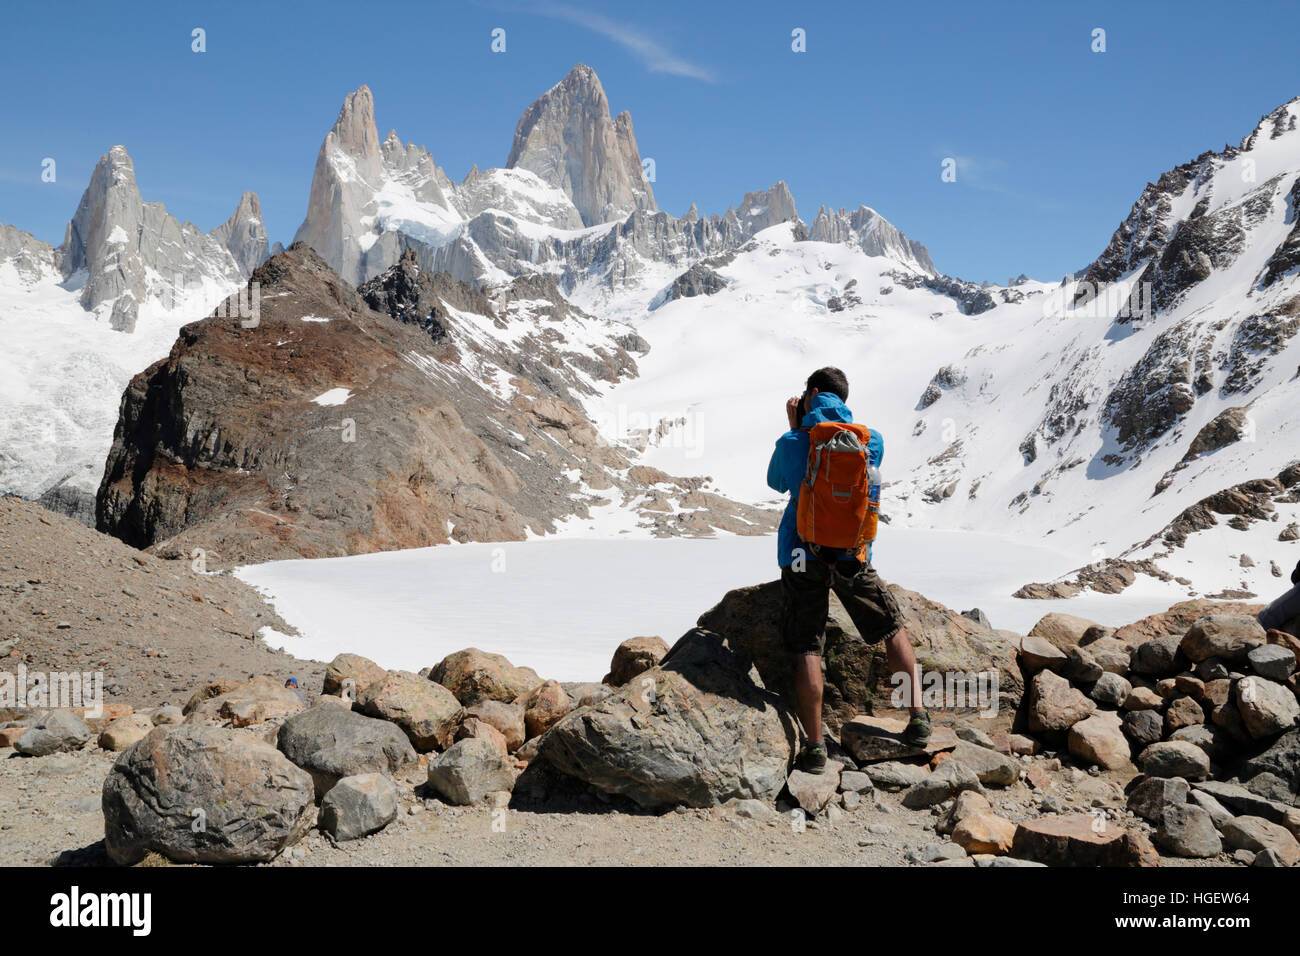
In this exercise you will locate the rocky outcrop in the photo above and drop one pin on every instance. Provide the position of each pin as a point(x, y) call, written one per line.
point(30, 258)
point(873, 234)
point(566, 137)
point(324, 427)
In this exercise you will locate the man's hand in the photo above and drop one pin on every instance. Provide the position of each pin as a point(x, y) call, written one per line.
point(792, 411)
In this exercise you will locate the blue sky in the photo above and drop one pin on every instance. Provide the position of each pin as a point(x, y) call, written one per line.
point(1053, 142)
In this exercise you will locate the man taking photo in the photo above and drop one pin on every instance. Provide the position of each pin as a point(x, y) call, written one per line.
point(829, 466)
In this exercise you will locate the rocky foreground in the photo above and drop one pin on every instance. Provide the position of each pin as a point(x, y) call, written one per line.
point(1170, 741)
point(1166, 742)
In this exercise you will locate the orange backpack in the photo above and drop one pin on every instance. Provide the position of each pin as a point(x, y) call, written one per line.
point(839, 499)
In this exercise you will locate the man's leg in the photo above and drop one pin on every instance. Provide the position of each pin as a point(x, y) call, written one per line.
point(806, 596)
point(877, 616)
point(902, 660)
point(808, 693)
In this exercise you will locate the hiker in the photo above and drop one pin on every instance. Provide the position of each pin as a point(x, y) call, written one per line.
point(839, 515)
point(1285, 609)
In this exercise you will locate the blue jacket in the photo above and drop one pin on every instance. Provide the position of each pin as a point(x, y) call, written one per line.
point(790, 459)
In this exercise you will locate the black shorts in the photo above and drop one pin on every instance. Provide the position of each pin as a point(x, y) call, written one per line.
point(807, 595)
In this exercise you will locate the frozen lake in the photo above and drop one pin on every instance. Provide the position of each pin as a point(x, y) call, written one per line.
point(561, 605)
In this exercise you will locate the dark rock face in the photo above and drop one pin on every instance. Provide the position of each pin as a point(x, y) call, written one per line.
point(1287, 256)
point(327, 428)
point(971, 299)
point(699, 279)
point(699, 729)
point(945, 379)
point(1229, 426)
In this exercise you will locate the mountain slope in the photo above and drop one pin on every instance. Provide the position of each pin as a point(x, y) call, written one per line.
point(81, 319)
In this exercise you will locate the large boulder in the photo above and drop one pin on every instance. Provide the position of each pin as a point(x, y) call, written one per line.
point(1267, 709)
point(332, 742)
point(201, 794)
point(635, 656)
point(351, 671)
point(256, 701)
point(358, 806)
point(1055, 706)
point(1099, 739)
point(474, 675)
point(1081, 839)
point(857, 675)
point(704, 731)
point(427, 712)
point(1229, 637)
point(53, 732)
point(1178, 618)
point(1061, 630)
point(469, 770)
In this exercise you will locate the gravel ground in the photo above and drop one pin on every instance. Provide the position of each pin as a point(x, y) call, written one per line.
point(49, 814)
point(72, 599)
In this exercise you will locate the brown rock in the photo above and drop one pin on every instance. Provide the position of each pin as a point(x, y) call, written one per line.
point(474, 675)
point(1080, 839)
point(1055, 706)
point(507, 718)
point(473, 728)
point(870, 739)
point(1100, 739)
point(360, 671)
point(256, 701)
point(544, 707)
point(984, 833)
point(125, 731)
point(1179, 618)
point(635, 656)
point(425, 710)
point(1061, 630)
point(1182, 712)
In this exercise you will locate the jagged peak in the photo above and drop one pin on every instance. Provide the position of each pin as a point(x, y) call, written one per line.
point(355, 127)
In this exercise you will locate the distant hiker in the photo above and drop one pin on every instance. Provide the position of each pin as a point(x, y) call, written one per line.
point(1285, 609)
point(830, 468)
point(292, 684)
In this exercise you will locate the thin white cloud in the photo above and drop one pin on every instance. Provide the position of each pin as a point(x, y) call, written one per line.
point(654, 55)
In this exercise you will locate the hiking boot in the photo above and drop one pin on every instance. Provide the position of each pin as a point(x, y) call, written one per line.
point(812, 759)
point(917, 731)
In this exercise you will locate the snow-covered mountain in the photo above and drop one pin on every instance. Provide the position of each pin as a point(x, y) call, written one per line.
point(1113, 414)
point(1090, 414)
point(573, 202)
point(79, 320)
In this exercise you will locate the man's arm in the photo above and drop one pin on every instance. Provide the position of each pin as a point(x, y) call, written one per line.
point(775, 478)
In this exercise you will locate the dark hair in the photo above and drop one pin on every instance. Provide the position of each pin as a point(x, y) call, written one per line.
point(829, 380)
